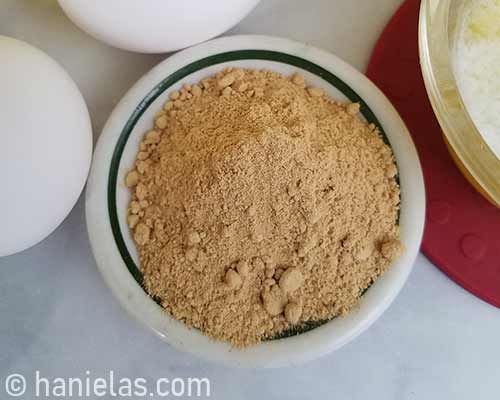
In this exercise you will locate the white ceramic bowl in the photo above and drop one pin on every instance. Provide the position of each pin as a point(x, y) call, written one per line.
point(107, 196)
point(155, 26)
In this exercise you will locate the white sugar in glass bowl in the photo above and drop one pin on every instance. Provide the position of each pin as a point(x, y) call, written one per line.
point(155, 26)
point(107, 196)
point(459, 44)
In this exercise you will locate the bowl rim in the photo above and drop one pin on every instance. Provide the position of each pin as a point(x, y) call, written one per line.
point(306, 346)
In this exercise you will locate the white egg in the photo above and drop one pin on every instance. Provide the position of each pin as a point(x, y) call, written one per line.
point(155, 26)
point(45, 145)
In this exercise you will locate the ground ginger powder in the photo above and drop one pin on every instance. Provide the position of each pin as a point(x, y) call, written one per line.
point(260, 204)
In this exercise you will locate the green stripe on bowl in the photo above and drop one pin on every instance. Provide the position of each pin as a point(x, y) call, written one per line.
point(178, 75)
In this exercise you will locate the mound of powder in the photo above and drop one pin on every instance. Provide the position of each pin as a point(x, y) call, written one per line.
point(259, 204)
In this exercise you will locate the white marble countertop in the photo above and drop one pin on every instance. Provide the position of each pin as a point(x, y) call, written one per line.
point(435, 342)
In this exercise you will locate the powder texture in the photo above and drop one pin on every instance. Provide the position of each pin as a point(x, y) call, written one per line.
point(259, 204)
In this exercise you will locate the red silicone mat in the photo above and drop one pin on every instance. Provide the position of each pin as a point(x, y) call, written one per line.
point(462, 234)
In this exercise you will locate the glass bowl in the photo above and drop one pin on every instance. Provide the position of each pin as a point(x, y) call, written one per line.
point(438, 33)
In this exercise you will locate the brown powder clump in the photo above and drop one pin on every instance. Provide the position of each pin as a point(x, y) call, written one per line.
point(259, 204)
